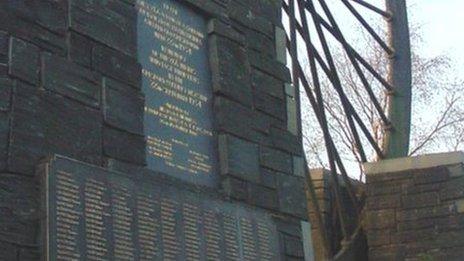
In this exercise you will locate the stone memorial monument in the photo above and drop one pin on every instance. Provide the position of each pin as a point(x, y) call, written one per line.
point(148, 130)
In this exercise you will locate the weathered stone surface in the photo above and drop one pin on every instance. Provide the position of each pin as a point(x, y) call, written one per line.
point(70, 80)
point(262, 196)
point(124, 146)
point(299, 168)
point(429, 212)
point(230, 70)
point(80, 49)
point(24, 60)
point(292, 199)
point(292, 116)
point(260, 42)
point(265, 83)
point(110, 22)
point(244, 16)
point(286, 141)
point(44, 123)
point(122, 106)
point(235, 188)
point(4, 47)
point(4, 135)
point(19, 208)
point(234, 118)
point(293, 246)
point(453, 190)
point(6, 89)
point(380, 219)
point(270, 105)
point(420, 200)
point(378, 238)
point(117, 65)
point(38, 22)
point(433, 175)
point(276, 160)
point(384, 202)
point(239, 158)
point(218, 27)
point(8, 250)
point(427, 221)
point(270, 66)
point(268, 178)
point(50, 14)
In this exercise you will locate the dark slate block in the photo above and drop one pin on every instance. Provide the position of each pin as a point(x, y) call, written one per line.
point(4, 134)
point(244, 16)
point(239, 158)
point(19, 208)
point(6, 88)
point(213, 8)
point(9, 251)
point(265, 83)
point(4, 44)
point(292, 197)
point(270, 105)
point(230, 112)
point(268, 178)
point(293, 246)
point(44, 123)
point(271, 11)
point(276, 160)
point(24, 60)
point(80, 49)
point(269, 66)
point(216, 26)
point(29, 254)
point(122, 106)
point(50, 14)
point(70, 80)
point(235, 188)
point(230, 68)
point(124, 146)
point(117, 65)
point(30, 30)
point(262, 196)
point(284, 140)
point(260, 42)
point(110, 22)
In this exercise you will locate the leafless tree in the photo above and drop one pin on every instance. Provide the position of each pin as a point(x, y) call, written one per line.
point(437, 115)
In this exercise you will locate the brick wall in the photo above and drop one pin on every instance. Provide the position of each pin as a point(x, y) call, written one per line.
point(325, 195)
point(67, 67)
point(416, 212)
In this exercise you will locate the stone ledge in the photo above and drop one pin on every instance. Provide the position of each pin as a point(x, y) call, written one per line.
point(414, 163)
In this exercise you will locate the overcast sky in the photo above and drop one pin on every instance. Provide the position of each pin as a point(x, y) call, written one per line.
point(442, 26)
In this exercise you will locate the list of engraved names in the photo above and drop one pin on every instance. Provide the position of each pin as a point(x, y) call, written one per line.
point(94, 214)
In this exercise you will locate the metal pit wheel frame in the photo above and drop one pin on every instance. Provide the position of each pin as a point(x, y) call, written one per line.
point(309, 25)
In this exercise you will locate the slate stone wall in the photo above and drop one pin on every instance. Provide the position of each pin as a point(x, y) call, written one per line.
point(416, 215)
point(70, 84)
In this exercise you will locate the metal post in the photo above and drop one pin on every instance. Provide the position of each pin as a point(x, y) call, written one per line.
point(396, 142)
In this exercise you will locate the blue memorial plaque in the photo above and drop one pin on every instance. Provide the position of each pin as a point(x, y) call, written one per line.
point(173, 52)
point(96, 214)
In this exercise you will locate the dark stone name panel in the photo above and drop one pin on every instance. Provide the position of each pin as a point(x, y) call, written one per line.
point(172, 49)
point(96, 214)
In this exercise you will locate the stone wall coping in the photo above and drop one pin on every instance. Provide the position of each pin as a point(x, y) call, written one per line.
point(413, 163)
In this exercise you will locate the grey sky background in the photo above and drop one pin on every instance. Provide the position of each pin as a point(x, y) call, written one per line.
point(442, 24)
